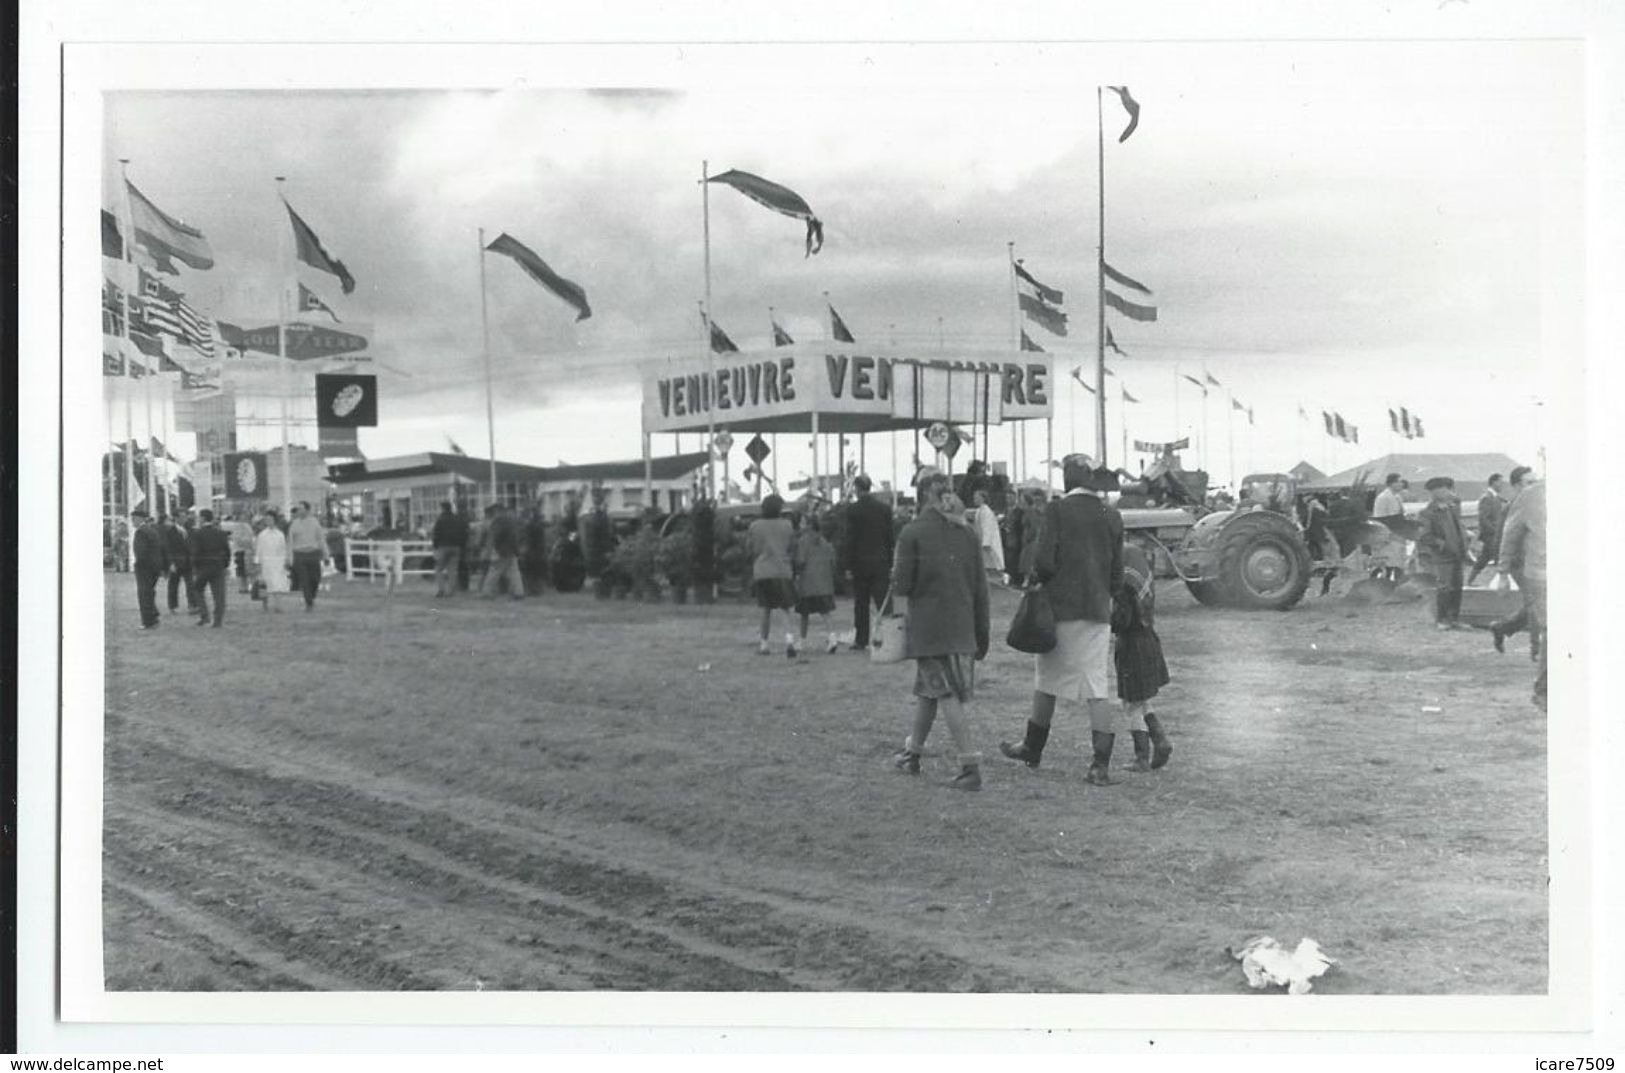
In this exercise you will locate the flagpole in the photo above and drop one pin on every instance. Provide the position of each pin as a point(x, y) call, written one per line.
point(282, 312)
point(1015, 344)
point(485, 348)
point(146, 386)
point(708, 395)
point(1123, 403)
point(132, 272)
point(1176, 402)
point(1100, 287)
point(1207, 444)
point(1230, 433)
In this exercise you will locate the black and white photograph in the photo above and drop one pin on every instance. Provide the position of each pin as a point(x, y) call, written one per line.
point(800, 529)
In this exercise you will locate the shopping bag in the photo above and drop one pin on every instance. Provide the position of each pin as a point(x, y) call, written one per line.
point(1500, 582)
point(1033, 628)
point(888, 635)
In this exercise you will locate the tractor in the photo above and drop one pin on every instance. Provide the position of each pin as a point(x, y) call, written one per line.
point(1252, 557)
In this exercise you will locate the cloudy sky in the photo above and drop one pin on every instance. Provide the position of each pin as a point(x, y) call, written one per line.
point(1343, 226)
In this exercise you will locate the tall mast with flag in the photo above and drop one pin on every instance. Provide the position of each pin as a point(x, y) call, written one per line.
point(1104, 297)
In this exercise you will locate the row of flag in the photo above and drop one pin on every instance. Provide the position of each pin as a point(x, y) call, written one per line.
point(1083, 382)
point(722, 344)
point(1406, 423)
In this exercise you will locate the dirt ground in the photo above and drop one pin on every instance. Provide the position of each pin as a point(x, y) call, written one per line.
point(568, 793)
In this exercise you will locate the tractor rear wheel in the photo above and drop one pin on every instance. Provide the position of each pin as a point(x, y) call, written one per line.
point(1263, 563)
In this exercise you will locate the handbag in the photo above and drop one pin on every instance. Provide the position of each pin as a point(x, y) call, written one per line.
point(1033, 627)
point(889, 634)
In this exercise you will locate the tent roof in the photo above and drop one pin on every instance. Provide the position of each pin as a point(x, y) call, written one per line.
point(478, 470)
point(1304, 471)
point(1469, 470)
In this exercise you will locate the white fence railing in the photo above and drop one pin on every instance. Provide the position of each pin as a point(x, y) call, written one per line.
point(375, 559)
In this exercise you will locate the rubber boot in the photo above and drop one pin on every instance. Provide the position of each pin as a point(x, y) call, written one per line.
point(1031, 749)
point(1097, 773)
point(1142, 750)
point(1161, 747)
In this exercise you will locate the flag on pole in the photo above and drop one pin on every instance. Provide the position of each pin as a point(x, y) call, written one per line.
point(1028, 344)
point(1342, 428)
point(720, 343)
point(1111, 342)
point(1354, 434)
point(309, 249)
point(780, 199)
point(838, 328)
point(1131, 310)
point(112, 239)
point(537, 269)
point(1127, 397)
point(1393, 420)
point(1331, 426)
point(1417, 424)
point(1044, 291)
point(1235, 404)
point(1249, 415)
point(1405, 423)
point(1117, 277)
point(310, 302)
point(1303, 415)
point(1195, 381)
point(1077, 374)
point(1044, 315)
point(1209, 377)
point(456, 448)
point(166, 238)
point(1132, 107)
point(780, 336)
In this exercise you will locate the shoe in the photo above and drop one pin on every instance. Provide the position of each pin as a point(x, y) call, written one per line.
point(149, 625)
point(215, 625)
point(789, 651)
point(1161, 747)
point(763, 650)
point(1019, 752)
point(834, 646)
point(1498, 637)
point(202, 622)
point(969, 778)
point(906, 762)
point(1142, 751)
point(1441, 626)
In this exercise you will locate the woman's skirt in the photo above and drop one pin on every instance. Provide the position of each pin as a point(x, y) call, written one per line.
point(274, 572)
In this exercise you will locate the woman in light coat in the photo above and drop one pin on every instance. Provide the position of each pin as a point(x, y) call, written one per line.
point(271, 561)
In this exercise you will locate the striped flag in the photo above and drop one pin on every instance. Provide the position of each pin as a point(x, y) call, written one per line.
point(1331, 426)
point(1117, 277)
point(1132, 107)
point(1235, 404)
point(1044, 291)
point(309, 249)
point(1044, 315)
point(1405, 423)
point(838, 328)
point(166, 238)
point(166, 310)
point(310, 302)
point(1077, 374)
point(1131, 310)
point(1354, 434)
point(1393, 420)
point(780, 199)
point(1111, 342)
point(1342, 429)
point(1417, 424)
point(720, 343)
point(537, 269)
point(1028, 344)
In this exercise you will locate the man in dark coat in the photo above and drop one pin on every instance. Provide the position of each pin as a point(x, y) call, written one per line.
point(503, 537)
point(449, 535)
point(147, 545)
point(939, 574)
point(535, 554)
point(1079, 561)
point(1492, 511)
point(177, 564)
point(210, 550)
point(867, 551)
point(1442, 542)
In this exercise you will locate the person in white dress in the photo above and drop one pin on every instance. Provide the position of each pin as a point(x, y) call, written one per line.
point(271, 561)
point(986, 524)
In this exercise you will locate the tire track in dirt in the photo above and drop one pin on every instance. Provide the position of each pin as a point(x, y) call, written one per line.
point(219, 941)
point(720, 941)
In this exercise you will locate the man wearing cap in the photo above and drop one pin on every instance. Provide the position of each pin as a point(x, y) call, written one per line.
point(148, 547)
point(1079, 562)
point(1442, 542)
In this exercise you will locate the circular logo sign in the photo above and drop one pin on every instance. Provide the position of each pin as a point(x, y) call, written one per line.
point(248, 476)
point(938, 435)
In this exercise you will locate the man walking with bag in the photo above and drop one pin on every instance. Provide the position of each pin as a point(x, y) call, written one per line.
point(1079, 562)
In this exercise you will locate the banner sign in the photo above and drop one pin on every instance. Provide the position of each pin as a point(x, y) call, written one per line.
point(338, 442)
point(247, 475)
point(1145, 447)
point(965, 386)
point(305, 341)
point(346, 400)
